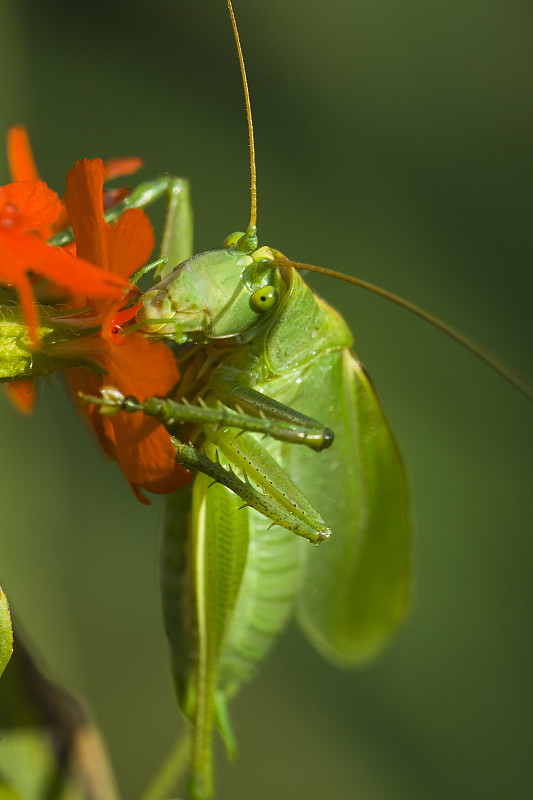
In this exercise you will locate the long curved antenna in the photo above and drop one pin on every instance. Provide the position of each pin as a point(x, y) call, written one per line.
point(252, 227)
point(502, 369)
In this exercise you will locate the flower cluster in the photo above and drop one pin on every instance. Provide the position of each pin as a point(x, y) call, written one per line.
point(28, 211)
point(92, 278)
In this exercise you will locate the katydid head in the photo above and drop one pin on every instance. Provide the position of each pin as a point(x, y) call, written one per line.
point(214, 295)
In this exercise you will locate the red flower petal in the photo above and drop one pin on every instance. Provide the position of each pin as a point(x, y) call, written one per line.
point(20, 252)
point(22, 395)
point(28, 206)
point(122, 248)
point(117, 167)
point(120, 319)
point(112, 197)
point(19, 155)
point(22, 168)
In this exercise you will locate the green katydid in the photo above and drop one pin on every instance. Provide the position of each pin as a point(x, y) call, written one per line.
point(229, 583)
point(259, 349)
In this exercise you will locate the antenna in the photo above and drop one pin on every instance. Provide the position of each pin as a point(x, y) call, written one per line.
point(502, 369)
point(249, 241)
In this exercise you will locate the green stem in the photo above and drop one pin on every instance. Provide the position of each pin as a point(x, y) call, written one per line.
point(170, 772)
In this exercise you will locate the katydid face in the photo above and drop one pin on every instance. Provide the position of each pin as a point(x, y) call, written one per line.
point(213, 295)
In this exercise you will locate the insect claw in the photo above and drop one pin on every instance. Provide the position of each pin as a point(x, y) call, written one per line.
point(202, 402)
point(217, 458)
point(271, 525)
point(238, 409)
point(243, 506)
point(212, 484)
point(245, 476)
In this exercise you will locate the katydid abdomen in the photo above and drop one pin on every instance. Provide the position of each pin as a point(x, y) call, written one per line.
point(233, 577)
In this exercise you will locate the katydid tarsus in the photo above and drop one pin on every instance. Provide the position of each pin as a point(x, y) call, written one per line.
point(257, 344)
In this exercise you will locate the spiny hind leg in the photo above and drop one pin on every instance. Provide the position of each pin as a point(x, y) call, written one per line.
point(229, 386)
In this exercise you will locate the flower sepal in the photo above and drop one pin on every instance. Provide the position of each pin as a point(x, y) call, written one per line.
point(65, 341)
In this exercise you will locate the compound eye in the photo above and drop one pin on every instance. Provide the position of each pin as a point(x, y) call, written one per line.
point(264, 299)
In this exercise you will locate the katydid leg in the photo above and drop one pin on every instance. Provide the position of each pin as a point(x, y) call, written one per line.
point(282, 502)
point(229, 386)
point(172, 414)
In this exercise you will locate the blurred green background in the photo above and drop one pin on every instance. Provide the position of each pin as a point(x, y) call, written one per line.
point(395, 142)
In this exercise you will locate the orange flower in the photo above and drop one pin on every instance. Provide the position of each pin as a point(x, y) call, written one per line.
point(29, 212)
point(134, 365)
point(28, 205)
point(27, 209)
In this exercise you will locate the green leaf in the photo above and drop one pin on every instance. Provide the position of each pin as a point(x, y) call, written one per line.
point(6, 635)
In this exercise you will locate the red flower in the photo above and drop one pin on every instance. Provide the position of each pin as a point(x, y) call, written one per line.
point(134, 365)
point(30, 212)
point(28, 209)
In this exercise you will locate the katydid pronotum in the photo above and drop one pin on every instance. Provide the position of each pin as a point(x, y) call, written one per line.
point(262, 356)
